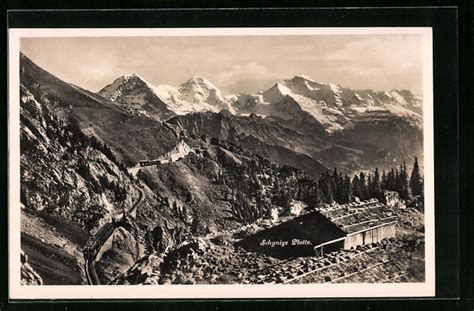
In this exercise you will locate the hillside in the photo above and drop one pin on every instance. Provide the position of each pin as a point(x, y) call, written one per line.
point(256, 135)
point(360, 148)
point(132, 136)
point(70, 184)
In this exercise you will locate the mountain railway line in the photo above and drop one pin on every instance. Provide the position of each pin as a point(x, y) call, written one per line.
point(94, 245)
point(91, 273)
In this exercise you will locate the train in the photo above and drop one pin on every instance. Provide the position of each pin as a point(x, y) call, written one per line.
point(93, 245)
point(149, 162)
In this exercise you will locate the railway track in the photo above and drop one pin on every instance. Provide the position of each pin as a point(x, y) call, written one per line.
point(90, 270)
point(91, 273)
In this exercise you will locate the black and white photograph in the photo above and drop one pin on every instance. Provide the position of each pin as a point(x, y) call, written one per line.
point(221, 163)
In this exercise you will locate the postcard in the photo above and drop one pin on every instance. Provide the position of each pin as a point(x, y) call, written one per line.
point(221, 163)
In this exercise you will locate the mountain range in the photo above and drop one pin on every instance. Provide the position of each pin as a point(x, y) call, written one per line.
point(295, 101)
point(334, 125)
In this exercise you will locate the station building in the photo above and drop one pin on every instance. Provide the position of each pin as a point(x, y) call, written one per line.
point(325, 230)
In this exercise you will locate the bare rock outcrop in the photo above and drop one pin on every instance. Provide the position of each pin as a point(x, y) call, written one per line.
point(393, 199)
point(28, 275)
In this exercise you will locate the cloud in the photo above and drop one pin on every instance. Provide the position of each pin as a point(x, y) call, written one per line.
point(379, 55)
point(234, 63)
point(249, 71)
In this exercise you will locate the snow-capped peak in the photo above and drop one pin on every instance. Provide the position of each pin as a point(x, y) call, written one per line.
point(117, 88)
point(282, 89)
point(329, 104)
point(276, 93)
point(196, 94)
point(303, 77)
point(200, 82)
point(406, 98)
point(129, 77)
point(199, 90)
point(334, 88)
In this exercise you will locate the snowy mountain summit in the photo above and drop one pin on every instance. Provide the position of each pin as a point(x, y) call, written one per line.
point(196, 94)
point(294, 101)
point(163, 101)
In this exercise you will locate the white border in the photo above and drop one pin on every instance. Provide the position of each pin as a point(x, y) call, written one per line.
point(16, 291)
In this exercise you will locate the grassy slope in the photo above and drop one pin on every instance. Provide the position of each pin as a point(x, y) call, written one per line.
point(54, 265)
point(52, 246)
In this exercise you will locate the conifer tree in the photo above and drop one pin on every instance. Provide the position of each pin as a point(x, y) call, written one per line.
point(416, 181)
point(376, 189)
point(356, 191)
point(370, 186)
point(325, 188)
point(364, 192)
point(390, 183)
point(403, 188)
point(338, 187)
point(383, 182)
point(347, 190)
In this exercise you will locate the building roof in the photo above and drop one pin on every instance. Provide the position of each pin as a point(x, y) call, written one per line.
point(356, 217)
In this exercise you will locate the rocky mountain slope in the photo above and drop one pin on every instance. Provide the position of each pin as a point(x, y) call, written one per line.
point(73, 173)
point(275, 143)
point(28, 275)
point(64, 172)
point(129, 135)
point(372, 144)
point(213, 259)
point(70, 184)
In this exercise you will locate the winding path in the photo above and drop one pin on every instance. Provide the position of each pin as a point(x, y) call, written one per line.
point(91, 272)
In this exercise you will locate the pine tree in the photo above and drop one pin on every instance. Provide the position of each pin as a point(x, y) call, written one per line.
point(356, 191)
point(416, 181)
point(376, 189)
point(383, 183)
point(390, 183)
point(347, 190)
point(312, 199)
point(339, 188)
point(326, 188)
point(403, 188)
point(370, 186)
point(364, 191)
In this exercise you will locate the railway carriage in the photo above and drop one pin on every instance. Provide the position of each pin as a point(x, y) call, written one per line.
point(92, 247)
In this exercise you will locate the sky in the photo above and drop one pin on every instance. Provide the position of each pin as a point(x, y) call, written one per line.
point(237, 64)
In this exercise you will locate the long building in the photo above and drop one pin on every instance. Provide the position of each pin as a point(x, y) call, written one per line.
point(362, 223)
point(178, 152)
point(326, 230)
